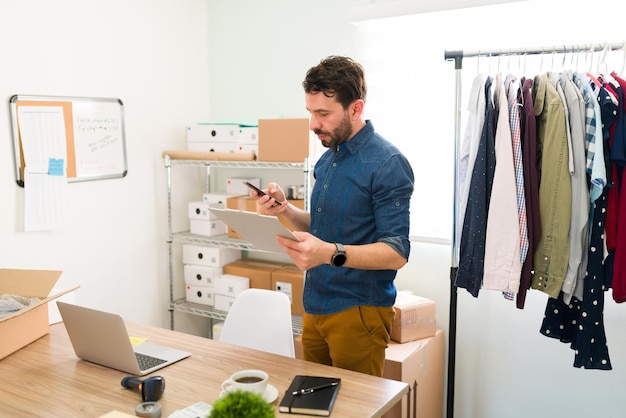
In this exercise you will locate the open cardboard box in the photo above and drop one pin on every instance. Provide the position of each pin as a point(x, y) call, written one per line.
point(26, 325)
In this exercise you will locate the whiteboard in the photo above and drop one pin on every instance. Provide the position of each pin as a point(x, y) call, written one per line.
point(95, 137)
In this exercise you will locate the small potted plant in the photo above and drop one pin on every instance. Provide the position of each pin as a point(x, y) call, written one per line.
point(239, 403)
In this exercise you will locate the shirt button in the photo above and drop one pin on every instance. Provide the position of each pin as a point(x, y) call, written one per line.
point(319, 210)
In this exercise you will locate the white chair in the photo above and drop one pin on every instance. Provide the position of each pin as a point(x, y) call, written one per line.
point(260, 319)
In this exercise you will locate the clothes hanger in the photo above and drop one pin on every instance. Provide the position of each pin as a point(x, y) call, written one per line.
point(601, 77)
point(499, 61)
point(602, 65)
point(590, 68)
point(607, 75)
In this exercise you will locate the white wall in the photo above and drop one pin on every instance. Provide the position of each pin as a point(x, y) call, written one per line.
point(153, 55)
point(177, 61)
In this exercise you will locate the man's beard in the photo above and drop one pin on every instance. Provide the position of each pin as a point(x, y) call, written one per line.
point(340, 135)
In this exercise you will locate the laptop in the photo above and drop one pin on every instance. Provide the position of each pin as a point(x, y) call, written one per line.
point(260, 230)
point(101, 338)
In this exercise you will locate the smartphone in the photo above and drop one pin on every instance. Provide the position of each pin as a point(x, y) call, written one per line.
point(261, 192)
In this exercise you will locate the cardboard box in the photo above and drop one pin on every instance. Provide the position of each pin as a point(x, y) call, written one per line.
point(248, 135)
point(415, 318)
point(216, 330)
point(420, 364)
point(230, 285)
point(235, 186)
point(203, 295)
point(248, 149)
point(258, 271)
point(284, 140)
point(26, 325)
point(242, 202)
point(201, 275)
point(290, 281)
point(223, 302)
point(209, 256)
point(207, 228)
point(217, 200)
point(201, 210)
point(297, 345)
point(212, 132)
point(246, 203)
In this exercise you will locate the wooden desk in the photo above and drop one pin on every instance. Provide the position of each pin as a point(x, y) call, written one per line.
point(46, 379)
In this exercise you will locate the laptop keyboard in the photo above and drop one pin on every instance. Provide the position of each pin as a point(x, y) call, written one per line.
point(148, 362)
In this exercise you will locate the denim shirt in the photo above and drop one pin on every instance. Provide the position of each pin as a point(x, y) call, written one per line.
point(361, 195)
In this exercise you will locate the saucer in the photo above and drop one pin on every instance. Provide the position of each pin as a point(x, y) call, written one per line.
point(270, 395)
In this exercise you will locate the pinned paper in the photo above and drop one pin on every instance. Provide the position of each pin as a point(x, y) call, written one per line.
point(55, 166)
point(42, 132)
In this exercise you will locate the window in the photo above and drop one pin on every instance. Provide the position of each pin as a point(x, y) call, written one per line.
point(412, 88)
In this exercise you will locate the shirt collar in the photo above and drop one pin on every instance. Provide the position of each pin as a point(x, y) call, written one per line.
point(357, 141)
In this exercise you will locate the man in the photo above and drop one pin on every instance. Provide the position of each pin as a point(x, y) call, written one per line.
point(357, 235)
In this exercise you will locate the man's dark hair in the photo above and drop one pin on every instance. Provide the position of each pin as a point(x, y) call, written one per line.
point(339, 77)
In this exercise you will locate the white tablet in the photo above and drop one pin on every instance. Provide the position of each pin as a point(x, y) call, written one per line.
point(260, 230)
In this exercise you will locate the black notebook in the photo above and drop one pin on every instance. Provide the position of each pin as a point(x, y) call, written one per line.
point(310, 395)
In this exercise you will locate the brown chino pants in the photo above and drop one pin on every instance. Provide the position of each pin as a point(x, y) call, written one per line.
point(353, 339)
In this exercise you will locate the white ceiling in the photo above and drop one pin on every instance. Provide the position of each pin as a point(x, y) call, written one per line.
point(376, 9)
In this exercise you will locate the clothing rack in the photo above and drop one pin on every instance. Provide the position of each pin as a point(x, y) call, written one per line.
point(457, 56)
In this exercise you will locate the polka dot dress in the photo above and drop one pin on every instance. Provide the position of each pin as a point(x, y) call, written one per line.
point(581, 322)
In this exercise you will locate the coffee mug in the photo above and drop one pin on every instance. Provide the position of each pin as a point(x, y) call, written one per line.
point(249, 380)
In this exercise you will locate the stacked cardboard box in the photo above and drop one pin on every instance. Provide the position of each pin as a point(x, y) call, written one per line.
point(275, 140)
point(223, 137)
point(227, 288)
point(258, 271)
point(281, 277)
point(201, 220)
point(202, 265)
point(420, 364)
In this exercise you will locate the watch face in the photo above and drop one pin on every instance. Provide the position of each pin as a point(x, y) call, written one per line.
point(339, 260)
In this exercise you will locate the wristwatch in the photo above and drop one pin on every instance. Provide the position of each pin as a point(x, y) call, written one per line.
point(339, 258)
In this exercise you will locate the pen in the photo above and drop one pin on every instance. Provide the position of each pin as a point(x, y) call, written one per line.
point(313, 389)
